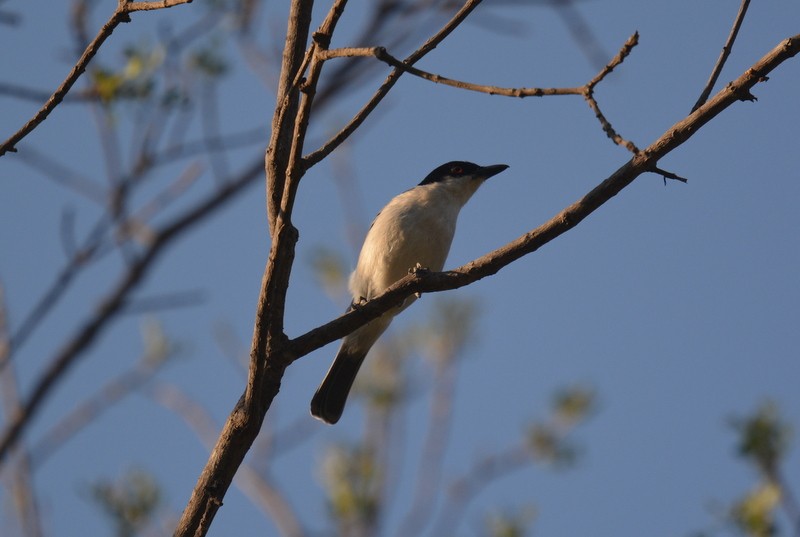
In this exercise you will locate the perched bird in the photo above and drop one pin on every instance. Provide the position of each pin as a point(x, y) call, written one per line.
point(415, 229)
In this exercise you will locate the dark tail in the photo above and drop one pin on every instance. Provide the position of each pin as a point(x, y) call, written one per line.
point(328, 403)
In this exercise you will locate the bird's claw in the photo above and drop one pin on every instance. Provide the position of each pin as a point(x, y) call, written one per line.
point(358, 302)
point(418, 269)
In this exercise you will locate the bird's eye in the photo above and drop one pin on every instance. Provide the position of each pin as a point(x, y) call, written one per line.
point(456, 170)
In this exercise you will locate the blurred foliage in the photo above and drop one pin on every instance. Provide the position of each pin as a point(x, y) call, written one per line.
point(573, 405)
point(450, 328)
point(133, 80)
point(130, 502)
point(754, 515)
point(209, 61)
point(514, 524)
point(330, 270)
point(158, 348)
point(763, 441)
point(763, 437)
point(143, 70)
point(548, 441)
point(351, 479)
point(382, 383)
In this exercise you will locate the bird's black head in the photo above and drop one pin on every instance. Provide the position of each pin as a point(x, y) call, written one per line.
point(460, 168)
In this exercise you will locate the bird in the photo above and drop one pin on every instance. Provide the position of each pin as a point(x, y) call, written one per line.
point(414, 230)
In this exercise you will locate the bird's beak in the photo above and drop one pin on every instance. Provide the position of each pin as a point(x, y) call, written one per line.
point(488, 171)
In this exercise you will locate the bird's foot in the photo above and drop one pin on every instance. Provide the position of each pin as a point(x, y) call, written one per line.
point(418, 269)
point(358, 302)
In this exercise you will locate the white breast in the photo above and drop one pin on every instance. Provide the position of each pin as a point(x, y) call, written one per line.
point(416, 227)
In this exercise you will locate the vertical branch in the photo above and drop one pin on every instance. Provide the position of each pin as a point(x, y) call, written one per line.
point(267, 361)
point(277, 156)
point(388, 83)
point(322, 39)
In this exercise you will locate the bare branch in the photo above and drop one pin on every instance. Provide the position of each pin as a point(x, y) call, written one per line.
point(120, 15)
point(387, 85)
point(31, 94)
point(726, 50)
point(580, 31)
point(437, 437)
point(484, 472)
point(271, 352)
point(130, 7)
point(62, 175)
point(182, 299)
point(115, 301)
point(93, 407)
point(269, 358)
point(55, 291)
point(280, 143)
point(257, 486)
point(587, 91)
point(617, 60)
point(606, 125)
point(668, 175)
point(381, 54)
point(491, 263)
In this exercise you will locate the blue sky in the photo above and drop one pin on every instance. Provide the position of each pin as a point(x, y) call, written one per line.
point(678, 304)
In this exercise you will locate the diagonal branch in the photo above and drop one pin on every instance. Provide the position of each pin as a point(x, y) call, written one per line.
point(360, 116)
point(120, 15)
point(114, 303)
point(381, 54)
point(130, 7)
point(726, 50)
point(257, 485)
point(587, 90)
point(491, 263)
point(268, 356)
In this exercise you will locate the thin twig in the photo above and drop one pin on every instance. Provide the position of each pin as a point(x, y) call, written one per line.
point(726, 50)
point(592, 102)
point(437, 436)
point(489, 264)
point(668, 175)
point(482, 474)
point(32, 94)
point(120, 15)
point(168, 301)
point(606, 125)
point(110, 308)
point(257, 486)
point(62, 175)
point(387, 85)
point(617, 60)
point(587, 90)
point(381, 54)
point(150, 6)
point(94, 406)
point(59, 286)
point(269, 358)
point(580, 31)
